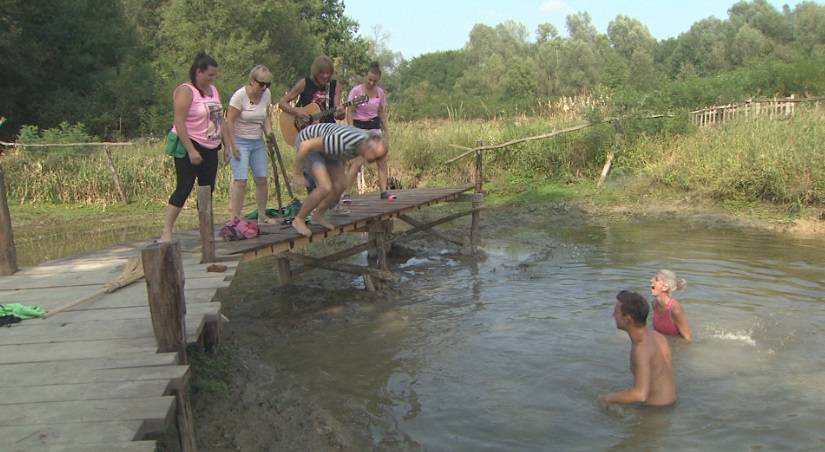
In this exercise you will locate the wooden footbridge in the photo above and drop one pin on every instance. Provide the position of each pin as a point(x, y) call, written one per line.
point(108, 371)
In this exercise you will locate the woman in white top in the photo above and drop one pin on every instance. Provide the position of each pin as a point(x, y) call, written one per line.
point(246, 124)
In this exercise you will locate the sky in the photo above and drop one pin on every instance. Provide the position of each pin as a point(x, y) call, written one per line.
point(421, 26)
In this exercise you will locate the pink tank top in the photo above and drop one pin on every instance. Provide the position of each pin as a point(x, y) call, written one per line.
point(205, 118)
point(663, 320)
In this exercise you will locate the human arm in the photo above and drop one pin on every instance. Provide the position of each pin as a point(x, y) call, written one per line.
point(268, 118)
point(383, 172)
point(229, 133)
point(681, 321)
point(638, 393)
point(289, 97)
point(352, 172)
point(382, 113)
point(182, 100)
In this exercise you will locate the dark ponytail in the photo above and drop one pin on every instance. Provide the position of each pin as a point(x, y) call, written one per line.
point(375, 68)
point(201, 63)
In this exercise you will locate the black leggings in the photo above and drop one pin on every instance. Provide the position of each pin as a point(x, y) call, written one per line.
point(186, 173)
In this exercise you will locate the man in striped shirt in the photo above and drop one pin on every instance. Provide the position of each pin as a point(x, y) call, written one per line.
point(322, 149)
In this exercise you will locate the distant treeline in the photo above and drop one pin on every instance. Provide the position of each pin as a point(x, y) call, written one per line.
point(112, 64)
point(757, 51)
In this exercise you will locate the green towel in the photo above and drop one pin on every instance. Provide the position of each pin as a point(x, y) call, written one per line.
point(22, 311)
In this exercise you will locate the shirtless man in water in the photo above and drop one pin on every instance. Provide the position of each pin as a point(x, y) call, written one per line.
point(650, 359)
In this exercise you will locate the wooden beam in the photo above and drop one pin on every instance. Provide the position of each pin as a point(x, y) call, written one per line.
point(285, 274)
point(468, 197)
point(377, 252)
point(164, 284)
point(448, 218)
point(346, 268)
point(8, 254)
point(206, 224)
point(349, 252)
point(412, 222)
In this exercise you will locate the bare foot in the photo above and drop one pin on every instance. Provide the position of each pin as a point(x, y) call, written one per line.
point(300, 225)
point(319, 219)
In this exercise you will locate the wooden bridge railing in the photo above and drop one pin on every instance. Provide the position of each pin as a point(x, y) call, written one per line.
point(772, 108)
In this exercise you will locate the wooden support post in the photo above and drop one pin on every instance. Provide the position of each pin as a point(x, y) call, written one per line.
point(207, 225)
point(284, 270)
point(8, 254)
point(377, 236)
point(164, 283)
point(183, 416)
point(111, 163)
point(475, 219)
point(212, 332)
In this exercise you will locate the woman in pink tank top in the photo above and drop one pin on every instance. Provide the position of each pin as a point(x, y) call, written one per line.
point(668, 316)
point(198, 125)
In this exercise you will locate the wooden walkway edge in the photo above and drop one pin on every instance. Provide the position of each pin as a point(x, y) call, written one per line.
point(91, 378)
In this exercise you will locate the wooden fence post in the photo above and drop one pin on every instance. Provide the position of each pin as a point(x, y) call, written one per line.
point(110, 162)
point(284, 270)
point(617, 143)
point(206, 224)
point(8, 254)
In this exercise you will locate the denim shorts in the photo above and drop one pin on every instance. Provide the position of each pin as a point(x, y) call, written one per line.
point(253, 153)
point(312, 160)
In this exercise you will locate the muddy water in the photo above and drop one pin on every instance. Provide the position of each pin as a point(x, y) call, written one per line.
point(511, 353)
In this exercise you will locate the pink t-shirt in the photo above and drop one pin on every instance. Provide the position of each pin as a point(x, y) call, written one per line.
point(204, 120)
point(369, 110)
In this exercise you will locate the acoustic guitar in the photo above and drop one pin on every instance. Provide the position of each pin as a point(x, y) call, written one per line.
point(290, 124)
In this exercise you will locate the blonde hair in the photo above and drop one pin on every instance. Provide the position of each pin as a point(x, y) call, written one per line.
point(322, 62)
point(260, 73)
point(673, 283)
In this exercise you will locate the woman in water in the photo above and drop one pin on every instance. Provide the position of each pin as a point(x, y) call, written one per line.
point(668, 316)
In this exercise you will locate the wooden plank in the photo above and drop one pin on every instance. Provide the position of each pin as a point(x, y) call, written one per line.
point(67, 351)
point(209, 310)
point(154, 411)
point(348, 268)
point(69, 372)
point(38, 437)
point(23, 281)
point(88, 391)
point(42, 332)
point(128, 446)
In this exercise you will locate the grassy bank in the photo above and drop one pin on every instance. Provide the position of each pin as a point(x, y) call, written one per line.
point(779, 164)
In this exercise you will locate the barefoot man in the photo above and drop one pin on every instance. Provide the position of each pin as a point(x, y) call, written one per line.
point(650, 359)
point(322, 149)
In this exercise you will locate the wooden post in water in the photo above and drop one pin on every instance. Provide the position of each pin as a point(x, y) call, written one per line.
point(475, 218)
point(206, 224)
point(284, 270)
point(377, 252)
point(8, 254)
point(110, 162)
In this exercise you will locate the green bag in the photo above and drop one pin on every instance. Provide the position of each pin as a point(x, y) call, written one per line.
point(173, 146)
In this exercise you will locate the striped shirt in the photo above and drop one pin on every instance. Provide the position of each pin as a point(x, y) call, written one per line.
point(340, 141)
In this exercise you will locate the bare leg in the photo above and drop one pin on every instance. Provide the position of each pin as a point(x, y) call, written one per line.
point(172, 213)
point(236, 197)
point(338, 177)
point(322, 189)
point(260, 199)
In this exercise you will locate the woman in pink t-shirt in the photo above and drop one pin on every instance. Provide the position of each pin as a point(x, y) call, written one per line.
point(372, 114)
point(198, 124)
point(668, 316)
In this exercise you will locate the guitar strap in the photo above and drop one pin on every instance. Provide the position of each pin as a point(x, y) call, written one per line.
point(329, 100)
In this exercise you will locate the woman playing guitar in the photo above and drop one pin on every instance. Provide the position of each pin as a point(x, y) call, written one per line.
point(320, 89)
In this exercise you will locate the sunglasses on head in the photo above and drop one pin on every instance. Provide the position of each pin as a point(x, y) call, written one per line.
point(264, 84)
